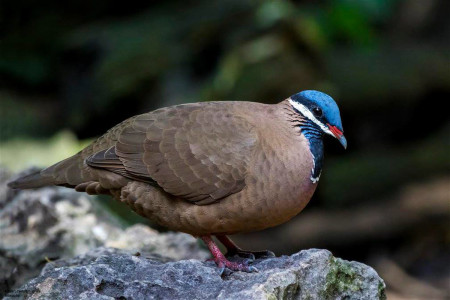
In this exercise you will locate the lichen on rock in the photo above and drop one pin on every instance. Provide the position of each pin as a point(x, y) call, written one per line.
point(347, 278)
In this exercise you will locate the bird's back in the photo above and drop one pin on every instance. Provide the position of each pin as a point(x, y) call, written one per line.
point(206, 146)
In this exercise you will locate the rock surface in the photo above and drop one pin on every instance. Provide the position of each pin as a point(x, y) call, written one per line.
point(77, 251)
point(107, 273)
point(41, 225)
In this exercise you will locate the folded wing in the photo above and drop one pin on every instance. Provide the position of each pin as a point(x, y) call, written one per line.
point(198, 152)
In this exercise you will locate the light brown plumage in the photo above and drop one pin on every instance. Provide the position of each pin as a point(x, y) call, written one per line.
point(212, 168)
point(202, 168)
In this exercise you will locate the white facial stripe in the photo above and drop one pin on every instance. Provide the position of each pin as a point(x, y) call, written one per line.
point(307, 113)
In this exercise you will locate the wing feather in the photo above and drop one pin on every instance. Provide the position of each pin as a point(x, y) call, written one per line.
point(199, 152)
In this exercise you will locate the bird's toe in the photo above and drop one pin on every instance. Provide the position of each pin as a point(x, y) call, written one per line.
point(248, 261)
point(266, 254)
point(252, 269)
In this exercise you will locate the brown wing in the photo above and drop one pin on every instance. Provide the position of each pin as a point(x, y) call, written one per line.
point(199, 152)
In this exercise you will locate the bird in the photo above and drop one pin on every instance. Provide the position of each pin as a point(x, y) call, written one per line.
point(210, 168)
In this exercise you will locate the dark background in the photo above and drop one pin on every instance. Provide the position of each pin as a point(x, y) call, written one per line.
point(81, 67)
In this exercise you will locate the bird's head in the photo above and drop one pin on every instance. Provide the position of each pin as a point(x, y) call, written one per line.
point(321, 111)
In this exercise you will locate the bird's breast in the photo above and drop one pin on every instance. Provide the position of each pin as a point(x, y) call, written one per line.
point(279, 183)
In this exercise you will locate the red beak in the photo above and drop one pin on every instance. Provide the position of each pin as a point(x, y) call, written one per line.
point(339, 135)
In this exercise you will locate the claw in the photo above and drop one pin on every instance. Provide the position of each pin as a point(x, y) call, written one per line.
point(267, 254)
point(253, 269)
point(248, 254)
point(248, 261)
point(224, 263)
point(253, 255)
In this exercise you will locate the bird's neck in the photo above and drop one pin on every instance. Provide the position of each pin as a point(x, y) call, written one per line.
point(311, 132)
point(315, 138)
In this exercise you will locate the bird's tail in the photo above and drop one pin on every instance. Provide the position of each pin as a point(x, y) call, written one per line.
point(66, 173)
point(30, 181)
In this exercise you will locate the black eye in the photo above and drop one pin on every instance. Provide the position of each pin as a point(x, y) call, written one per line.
point(317, 112)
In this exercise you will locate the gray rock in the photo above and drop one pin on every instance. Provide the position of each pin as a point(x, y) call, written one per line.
point(77, 251)
point(50, 223)
point(107, 273)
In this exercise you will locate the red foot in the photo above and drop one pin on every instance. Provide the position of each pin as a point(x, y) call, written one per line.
point(221, 261)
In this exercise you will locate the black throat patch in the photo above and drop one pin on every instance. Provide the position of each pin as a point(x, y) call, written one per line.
point(314, 135)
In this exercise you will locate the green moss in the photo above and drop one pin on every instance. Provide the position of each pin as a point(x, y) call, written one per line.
point(381, 291)
point(341, 279)
point(282, 286)
point(286, 292)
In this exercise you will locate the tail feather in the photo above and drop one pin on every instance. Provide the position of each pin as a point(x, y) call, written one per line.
point(65, 173)
point(33, 180)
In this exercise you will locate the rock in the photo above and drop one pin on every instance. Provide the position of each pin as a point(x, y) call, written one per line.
point(75, 250)
point(54, 222)
point(107, 273)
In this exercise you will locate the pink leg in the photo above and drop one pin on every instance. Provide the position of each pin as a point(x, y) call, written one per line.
point(233, 249)
point(220, 259)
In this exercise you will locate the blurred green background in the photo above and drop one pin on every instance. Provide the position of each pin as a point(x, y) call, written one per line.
point(71, 70)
